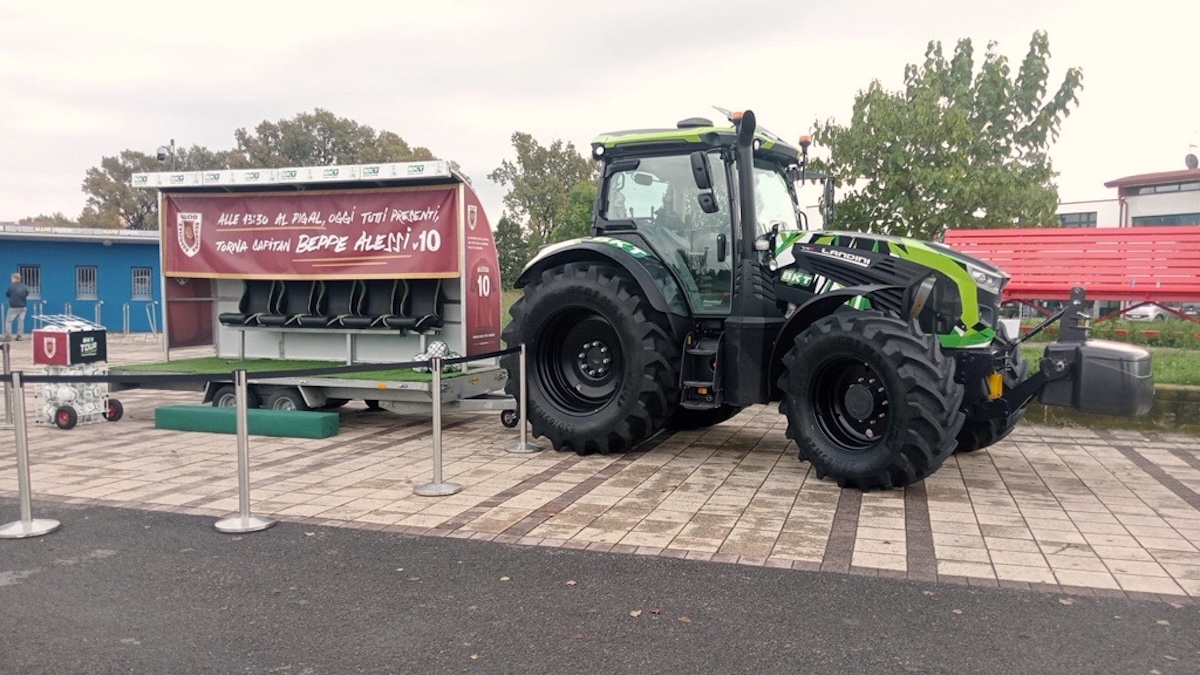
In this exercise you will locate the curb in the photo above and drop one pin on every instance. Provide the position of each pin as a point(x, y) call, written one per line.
point(1176, 409)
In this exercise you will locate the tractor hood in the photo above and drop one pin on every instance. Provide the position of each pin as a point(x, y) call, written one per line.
point(908, 242)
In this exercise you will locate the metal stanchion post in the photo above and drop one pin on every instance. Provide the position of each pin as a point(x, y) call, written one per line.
point(8, 393)
point(26, 526)
point(523, 444)
point(437, 488)
point(243, 522)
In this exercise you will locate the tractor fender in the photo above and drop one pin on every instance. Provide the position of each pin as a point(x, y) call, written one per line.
point(652, 277)
point(808, 313)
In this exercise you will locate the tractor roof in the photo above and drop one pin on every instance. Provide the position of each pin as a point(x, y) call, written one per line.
point(690, 134)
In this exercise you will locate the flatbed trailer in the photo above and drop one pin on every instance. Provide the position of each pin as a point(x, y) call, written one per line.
point(328, 266)
point(462, 389)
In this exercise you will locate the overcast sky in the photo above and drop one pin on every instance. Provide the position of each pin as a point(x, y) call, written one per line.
point(83, 79)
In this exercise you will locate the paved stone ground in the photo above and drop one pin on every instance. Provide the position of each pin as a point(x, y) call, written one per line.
point(1104, 513)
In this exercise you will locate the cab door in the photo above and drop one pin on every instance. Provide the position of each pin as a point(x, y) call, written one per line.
point(659, 195)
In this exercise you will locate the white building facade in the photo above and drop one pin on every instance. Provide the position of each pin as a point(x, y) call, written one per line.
point(1149, 199)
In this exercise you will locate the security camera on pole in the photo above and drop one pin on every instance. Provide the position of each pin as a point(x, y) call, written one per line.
point(166, 151)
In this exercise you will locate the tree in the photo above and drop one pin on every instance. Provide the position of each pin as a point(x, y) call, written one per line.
point(321, 138)
point(955, 148)
point(56, 219)
point(308, 139)
point(512, 248)
point(577, 216)
point(200, 158)
point(112, 201)
point(540, 181)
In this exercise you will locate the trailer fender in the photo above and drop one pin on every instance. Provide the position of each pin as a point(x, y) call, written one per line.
point(651, 275)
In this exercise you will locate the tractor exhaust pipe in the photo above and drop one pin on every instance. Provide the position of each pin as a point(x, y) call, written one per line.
point(744, 154)
point(754, 321)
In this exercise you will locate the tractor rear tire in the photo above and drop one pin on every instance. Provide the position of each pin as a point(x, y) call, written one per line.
point(687, 419)
point(870, 401)
point(603, 367)
point(979, 434)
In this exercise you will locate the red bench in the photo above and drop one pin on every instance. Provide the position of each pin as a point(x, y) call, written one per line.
point(1143, 265)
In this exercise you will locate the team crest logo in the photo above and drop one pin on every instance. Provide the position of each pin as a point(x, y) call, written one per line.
point(472, 216)
point(49, 347)
point(188, 227)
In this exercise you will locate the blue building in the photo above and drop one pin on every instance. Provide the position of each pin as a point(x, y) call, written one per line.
point(111, 277)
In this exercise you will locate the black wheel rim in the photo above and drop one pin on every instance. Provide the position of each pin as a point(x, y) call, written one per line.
point(850, 403)
point(579, 361)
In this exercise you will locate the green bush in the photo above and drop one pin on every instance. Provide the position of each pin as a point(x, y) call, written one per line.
point(1174, 333)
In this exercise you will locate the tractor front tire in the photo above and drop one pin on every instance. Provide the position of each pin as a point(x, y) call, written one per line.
point(871, 402)
point(979, 434)
point(603, 367)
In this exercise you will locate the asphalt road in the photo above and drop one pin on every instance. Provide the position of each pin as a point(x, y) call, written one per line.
point(126, 591)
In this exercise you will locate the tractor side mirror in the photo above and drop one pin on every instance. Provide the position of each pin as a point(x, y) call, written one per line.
point(708, 202)
point(701, 172)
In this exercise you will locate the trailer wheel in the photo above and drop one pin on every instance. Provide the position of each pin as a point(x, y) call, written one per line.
point(65, 417)
point(602, 364)
point(979, 434)
point(372, 404)
point(510, 418)
point(226, 397)
point(686, 419)
point(285, 398)
point(870, 401)
point(113, 410)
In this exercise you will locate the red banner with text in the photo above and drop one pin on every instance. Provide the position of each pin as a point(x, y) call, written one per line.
point(385, 233)
point(483, 281)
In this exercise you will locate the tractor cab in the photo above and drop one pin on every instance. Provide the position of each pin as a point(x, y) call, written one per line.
point(676, 192)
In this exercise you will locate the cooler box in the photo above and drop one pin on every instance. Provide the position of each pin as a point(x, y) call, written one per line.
point(58, 347)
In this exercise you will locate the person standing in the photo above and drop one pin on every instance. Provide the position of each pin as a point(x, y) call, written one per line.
point(17, 294)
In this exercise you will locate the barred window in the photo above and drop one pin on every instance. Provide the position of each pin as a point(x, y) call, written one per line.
point(142, 288)
point(31, 276)
point(85, 283)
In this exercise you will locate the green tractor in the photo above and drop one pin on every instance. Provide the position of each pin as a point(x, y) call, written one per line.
point(700, 292)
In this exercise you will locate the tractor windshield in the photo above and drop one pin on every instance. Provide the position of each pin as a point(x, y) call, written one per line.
point(774, 201)
point(661, 198)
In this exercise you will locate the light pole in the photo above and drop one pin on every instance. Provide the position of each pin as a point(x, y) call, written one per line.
point(165, 151)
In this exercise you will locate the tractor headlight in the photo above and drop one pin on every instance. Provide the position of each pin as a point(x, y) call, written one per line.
point(987, 280)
